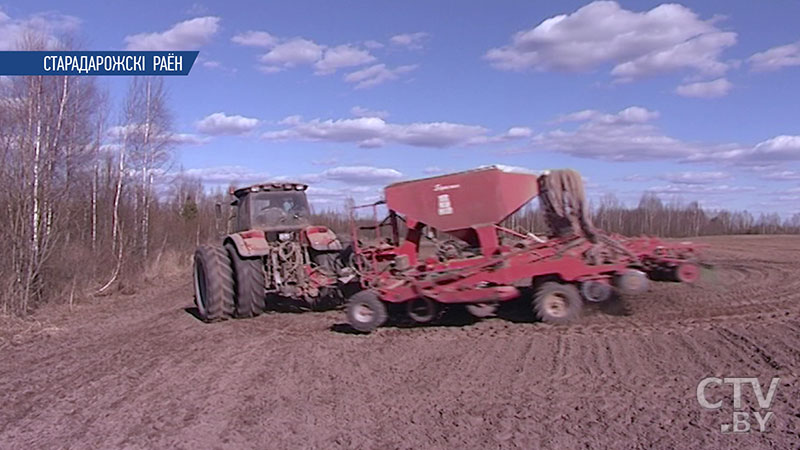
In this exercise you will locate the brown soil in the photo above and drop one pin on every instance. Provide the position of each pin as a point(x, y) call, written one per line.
point(140, 372)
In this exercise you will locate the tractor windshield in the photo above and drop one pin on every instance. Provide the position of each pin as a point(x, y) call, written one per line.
point(278, 209)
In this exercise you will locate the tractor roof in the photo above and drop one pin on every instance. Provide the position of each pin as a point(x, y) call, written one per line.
point(270, 186)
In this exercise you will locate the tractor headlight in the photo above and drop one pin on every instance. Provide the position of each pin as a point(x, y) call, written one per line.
point(284, 236)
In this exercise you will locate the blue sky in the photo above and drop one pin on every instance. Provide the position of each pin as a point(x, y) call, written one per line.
point(694, 101)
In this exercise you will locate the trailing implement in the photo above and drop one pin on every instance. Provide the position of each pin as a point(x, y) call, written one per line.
point(481, 263)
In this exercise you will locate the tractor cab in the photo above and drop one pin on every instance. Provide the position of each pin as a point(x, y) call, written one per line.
point(270, 207)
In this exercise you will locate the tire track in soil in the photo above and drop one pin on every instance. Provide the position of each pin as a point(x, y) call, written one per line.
point(750, 347)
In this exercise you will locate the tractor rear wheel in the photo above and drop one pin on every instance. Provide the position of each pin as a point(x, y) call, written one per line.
point(365, 311)
point(213, 283)
point(249, 284)
point(557, 303)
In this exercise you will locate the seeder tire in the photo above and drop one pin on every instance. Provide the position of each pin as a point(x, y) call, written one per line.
point(422, 310)
point(632, 282)
point(557, 303)
point(687, 272)
point(365, 311)
point(213, 283)
point(249, 284)
point(596, 291)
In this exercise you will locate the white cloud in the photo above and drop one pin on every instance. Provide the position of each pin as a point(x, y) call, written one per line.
point(695, 178)
point(701, 54)
point(120, 131)
point(220, 123)
point(375, 75)
point(188, 139)
point(362, 174)
point(327, 193)
point(117, 133)
point(360, 111)
point(626, 135)
point(331, 197)
point(667, 38)
point(293, 52)
point(518, 132)
point(516, 169)
point(373, 132)
point(784, 175)
point(705, 89)
point(776, 150)
point(255, 39)
point(225, 175)
point(269, 70)
point(632, 114)
point(47, 25)
point(409, 40)
point(187, 35)
point(513, 133)
point(307, 178)
point(284, 54)
point(432, 170)
point(373, 45)
point(776, 58)
point(362, 182)
point(631, 135)
point(704, 189)
point(342, 56)
point(779, 148)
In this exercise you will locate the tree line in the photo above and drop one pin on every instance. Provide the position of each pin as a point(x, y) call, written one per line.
point(90, 201)
point(654, 217)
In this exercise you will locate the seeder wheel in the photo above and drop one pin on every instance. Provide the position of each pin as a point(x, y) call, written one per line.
point(365, 311)
point(596, 291)
point(687, 273)
point(557, 303)
point(421, 310)
point(632, 281)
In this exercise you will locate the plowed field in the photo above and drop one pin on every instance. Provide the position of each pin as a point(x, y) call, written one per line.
point(141, 372)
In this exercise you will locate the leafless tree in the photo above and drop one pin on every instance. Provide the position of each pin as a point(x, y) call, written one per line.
point(148, 143)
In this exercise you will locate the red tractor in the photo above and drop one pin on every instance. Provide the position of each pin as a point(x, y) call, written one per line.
point(272, 251)
point(483, 264)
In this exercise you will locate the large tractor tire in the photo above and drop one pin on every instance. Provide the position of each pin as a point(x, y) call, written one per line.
point(365, 311)
point(213, 283)
point(557, 303)
point(249, 284)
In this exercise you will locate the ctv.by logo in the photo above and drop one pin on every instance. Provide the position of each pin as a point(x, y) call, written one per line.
point(741, 419)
